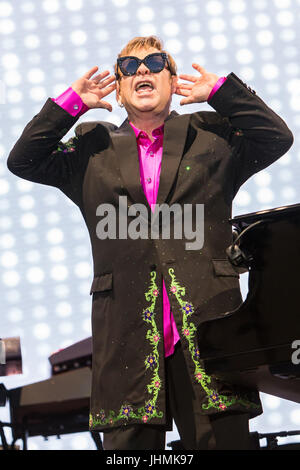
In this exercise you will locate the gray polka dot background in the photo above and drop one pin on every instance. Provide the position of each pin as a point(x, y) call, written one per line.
point(45, 256)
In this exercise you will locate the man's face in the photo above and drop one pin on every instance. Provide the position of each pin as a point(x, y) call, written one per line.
point(156, 98)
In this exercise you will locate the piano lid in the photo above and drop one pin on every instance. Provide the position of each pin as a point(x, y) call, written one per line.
point(277, 213)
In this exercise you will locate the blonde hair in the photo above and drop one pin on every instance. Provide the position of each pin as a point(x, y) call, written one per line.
point(145, 42)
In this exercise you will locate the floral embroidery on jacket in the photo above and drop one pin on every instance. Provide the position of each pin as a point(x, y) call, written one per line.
point(65, 147)
point(149, 410)
point(215, 400)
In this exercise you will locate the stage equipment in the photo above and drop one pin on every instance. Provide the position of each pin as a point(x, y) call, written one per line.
point(10, 356)
point(59, 405)
point(271, 441)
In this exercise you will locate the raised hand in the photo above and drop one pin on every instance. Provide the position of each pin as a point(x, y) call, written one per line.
point(92, 90)
point(199, 90)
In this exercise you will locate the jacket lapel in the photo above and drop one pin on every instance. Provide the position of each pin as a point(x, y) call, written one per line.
point(175, 134)
point(125, 144)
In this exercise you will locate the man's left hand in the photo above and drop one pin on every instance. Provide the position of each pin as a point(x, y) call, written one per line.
point(199, 90)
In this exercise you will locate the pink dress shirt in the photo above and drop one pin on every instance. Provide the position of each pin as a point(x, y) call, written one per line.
point(150, 155)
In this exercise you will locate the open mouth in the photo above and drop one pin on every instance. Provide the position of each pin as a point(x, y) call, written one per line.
point(144, 88)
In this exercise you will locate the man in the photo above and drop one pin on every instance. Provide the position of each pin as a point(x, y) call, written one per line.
point(151, 294)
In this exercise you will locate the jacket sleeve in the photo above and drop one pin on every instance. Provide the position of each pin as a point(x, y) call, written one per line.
point(257, 135)
point(40, 156)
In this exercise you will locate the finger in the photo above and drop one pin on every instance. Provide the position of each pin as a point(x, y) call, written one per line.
point(190, 78)
point(185, 85)
point(180, 91)
point(188, 100)
point(106, 82)
point(100, 76)
point(106, 91)
point(199, 68)
point(105, 105)
point(90, 72)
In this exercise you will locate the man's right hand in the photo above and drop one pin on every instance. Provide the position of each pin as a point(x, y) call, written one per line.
point(91, 91)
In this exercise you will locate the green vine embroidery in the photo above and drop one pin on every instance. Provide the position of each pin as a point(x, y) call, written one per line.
point(215, 400)
point(152, 361)
point(149, 410)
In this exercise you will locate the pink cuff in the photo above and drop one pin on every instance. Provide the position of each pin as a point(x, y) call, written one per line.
point(71, 102)
point(216, 87)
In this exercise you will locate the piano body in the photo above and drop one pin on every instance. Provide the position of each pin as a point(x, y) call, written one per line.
point(253, 345)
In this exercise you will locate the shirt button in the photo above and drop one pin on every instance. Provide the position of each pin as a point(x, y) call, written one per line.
point(148, 180)
point(76, 106)
point(151, 154)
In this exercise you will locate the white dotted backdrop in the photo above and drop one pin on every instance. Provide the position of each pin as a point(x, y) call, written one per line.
point(45, 256)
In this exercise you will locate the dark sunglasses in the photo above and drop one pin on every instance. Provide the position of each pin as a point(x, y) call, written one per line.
point(154, 62)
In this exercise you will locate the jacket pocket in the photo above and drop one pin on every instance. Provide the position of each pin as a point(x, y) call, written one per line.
point(102, 283)
point(223, 267)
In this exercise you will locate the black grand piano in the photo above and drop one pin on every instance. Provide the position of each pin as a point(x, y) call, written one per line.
point(256, 344)
point(251, 346)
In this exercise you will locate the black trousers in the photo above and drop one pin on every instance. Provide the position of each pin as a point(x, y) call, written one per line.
point(225, 431)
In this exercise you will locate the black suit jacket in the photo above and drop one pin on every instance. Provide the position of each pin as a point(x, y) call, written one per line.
point(207, 156)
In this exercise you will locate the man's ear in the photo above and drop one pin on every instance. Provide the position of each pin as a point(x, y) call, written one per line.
point(174, 83)
point(118, 97)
